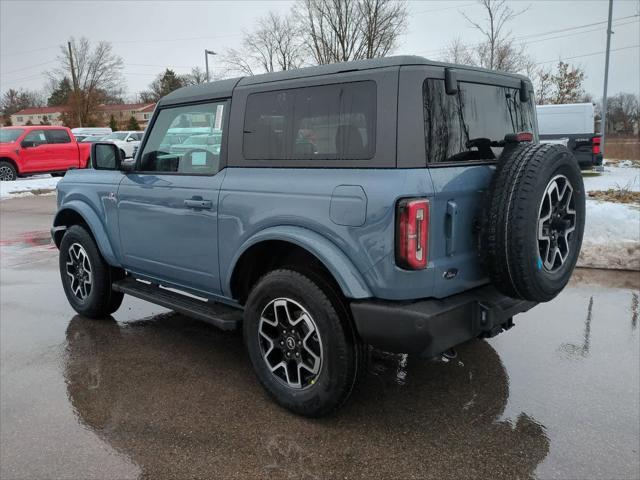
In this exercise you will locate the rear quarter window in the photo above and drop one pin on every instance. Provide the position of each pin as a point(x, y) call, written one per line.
point(470, 125)
point(326, 122)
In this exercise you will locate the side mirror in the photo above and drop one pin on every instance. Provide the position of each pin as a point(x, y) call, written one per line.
point(130, 139)
point(450, 81)
point(105, 156)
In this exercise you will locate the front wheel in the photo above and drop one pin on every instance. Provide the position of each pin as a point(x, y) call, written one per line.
point(7, 172)
point(86, 277)
point(302, 345)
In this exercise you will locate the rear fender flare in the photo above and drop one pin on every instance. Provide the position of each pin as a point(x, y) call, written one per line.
point(337, 263)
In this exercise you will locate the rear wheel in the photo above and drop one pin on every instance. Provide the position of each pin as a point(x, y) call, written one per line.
point(7, 172)
point(301, 344)
point(86, 277)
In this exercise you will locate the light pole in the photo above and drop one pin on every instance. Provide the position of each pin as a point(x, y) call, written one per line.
point(606, 80)
point(206, 60)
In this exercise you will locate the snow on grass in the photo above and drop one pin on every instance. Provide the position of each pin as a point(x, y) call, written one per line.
point(613, 177)
point(612, 230)
point(38, 185)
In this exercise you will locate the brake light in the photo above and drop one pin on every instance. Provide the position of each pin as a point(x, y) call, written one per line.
point(524, 137)
point(412, 233)
point(595, 145)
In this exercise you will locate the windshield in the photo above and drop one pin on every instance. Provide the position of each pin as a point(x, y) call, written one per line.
point(471, 125)
point(116, 136)
point(10, 135)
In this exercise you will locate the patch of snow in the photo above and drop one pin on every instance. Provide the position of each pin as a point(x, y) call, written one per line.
point(24, 186)
point(611, 236)
point(614, 177)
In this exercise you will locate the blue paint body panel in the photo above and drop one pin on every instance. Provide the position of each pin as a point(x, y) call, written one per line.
point(345, 217)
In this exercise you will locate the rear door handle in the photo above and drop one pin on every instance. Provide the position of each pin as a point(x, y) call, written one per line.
point(198, 204)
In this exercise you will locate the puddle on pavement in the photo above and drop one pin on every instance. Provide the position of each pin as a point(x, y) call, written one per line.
point(554, 397)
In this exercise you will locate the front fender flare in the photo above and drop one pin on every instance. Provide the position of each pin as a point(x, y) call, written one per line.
point(95, 225)
point(345, 273)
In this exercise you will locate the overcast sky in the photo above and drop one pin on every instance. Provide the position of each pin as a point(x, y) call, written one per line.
point(150, 35)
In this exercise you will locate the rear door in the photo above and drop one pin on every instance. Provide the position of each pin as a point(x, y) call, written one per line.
point(62, 150)
point(461, 134)
point(168, 207)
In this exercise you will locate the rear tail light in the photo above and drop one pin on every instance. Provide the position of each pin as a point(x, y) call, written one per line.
point(518, 137)
point(412, 233)
point(595, 145)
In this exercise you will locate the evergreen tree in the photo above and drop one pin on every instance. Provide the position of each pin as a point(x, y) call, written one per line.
point(113, 125)
point(133, 124)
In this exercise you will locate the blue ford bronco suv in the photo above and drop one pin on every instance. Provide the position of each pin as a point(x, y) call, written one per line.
point(397, 202)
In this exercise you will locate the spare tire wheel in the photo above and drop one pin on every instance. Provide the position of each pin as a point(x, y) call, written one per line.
point(533, 221)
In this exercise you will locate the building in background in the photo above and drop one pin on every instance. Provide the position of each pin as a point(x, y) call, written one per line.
point(122, 113)
point(39, 116)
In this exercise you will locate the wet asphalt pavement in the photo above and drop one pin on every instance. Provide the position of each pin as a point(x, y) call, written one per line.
point(153, 394)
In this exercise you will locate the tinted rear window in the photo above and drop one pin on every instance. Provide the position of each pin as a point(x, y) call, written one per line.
point(328, 122)
point(58, 136)
point(470, 125)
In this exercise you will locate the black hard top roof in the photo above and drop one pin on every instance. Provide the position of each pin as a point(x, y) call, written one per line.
point(224, 88)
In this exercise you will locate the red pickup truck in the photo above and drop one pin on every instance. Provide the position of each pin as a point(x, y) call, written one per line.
point(39, 149)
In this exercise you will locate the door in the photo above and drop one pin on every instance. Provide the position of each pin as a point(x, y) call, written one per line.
point(464, 134)
point(34, 154)
point(168, 207)
point(63, 152)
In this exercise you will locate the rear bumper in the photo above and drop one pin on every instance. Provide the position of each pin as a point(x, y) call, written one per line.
point(429, 327)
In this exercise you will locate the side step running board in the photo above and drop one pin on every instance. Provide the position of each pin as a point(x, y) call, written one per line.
point(217, 314)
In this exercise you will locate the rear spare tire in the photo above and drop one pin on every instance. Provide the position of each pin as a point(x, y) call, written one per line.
point(533, 221)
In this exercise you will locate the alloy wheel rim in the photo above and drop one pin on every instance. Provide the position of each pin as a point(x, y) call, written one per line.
point(556, 223)
point(6, 174)
point(79, 271)
point(290, 343)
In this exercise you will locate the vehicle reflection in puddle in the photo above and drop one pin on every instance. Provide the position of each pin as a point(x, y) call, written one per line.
point(179, 398)
point(29, 239)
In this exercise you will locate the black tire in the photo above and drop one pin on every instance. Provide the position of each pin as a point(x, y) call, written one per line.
point(510, 249)
point(58, 174)
point(8, 171)
point(341, 351)
point(100, 300)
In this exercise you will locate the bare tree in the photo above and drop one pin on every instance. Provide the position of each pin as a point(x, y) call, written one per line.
point(343, 30)
point(623, 113)
point(195, 77)
point(458, 52)
point(13, 101)
point(567, 84)
point(274, 45)
point(543, 86)
point(98, 73)
point(498, 50)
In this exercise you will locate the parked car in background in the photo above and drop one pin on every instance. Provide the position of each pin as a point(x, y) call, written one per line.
point(39, 149)
point(203, 142)
point(126, 141)
point(93, 138)
point(572, 125)
point(86, 131)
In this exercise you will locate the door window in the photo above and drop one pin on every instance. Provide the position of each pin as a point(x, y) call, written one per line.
point(36, 137)
point(327, 122)
point(186, 139)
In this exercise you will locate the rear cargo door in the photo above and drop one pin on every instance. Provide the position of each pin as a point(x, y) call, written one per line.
point(462, 131)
